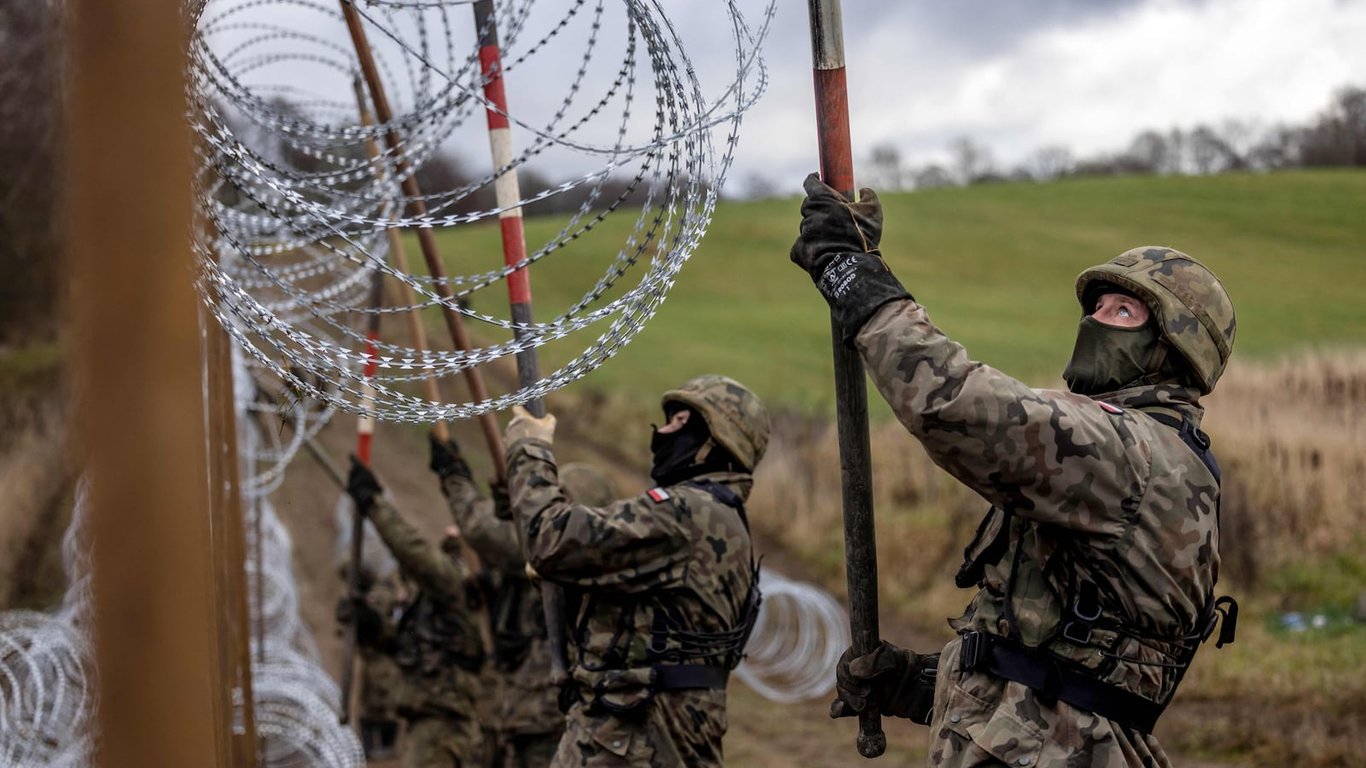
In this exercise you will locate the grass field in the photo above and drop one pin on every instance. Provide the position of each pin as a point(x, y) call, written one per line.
point(995, 266)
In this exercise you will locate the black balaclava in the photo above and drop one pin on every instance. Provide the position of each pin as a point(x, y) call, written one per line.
point(1109, 357)
point(688, 452)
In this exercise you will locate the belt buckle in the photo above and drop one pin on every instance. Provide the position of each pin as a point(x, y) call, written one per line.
point(1082, 639)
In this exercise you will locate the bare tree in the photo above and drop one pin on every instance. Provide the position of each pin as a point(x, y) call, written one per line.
point(1049, 163)
point(972, 161)
point(1209, 153)
point(931, 176)
point(1150, 152)
point(886, 169)
point(1240, 136)
point(1277, 148)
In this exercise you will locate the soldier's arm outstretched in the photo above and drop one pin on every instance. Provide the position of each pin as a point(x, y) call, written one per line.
point(1018, 447)
point(621, 546)
point(491, 535)
point(419, 558)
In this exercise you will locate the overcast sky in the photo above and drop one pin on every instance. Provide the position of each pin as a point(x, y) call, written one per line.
point(1085, 74)
point(1014, 75)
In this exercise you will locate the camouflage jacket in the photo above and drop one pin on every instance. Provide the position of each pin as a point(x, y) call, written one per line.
point(437, 640)
point(675, 555)
point(1096, 489)
point(524, 699)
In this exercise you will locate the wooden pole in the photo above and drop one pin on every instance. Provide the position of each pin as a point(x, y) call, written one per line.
point(137, 369)
point(229, 533)
point(426, 240)
point(851, 390)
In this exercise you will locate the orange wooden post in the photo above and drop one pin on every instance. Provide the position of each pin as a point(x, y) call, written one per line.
point(139, 384)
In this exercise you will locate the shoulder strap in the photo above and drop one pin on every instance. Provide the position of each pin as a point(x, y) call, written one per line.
point(988, 546)
point(724, 495)
point(1193, 437)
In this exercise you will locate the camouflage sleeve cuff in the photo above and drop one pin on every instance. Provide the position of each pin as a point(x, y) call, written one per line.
point(533, 448)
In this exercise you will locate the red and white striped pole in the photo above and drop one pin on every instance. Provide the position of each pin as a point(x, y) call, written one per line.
point(506, 189)
point(365, 432)
point(851, 391)
point(508, 194)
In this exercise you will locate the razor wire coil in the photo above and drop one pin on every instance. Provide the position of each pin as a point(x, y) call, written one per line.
point(299, 195)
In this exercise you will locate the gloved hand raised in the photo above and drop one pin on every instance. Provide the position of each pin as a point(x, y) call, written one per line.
point(446, 459)
point(889, 680)
point(832, 225)
point(837, 245)
point(362, 486)
point(524, 425)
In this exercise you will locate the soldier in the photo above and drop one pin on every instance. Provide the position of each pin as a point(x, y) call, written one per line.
point(661, 589)
point(436, 643)
point(376, 609)
point(1097, 562)
point(522, 720)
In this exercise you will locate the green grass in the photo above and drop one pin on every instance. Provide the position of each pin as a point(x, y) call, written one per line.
point(994, 264)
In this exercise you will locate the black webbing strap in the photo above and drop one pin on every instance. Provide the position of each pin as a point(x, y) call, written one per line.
point(1053, 680)
point(1193, 437)
point(682, 677)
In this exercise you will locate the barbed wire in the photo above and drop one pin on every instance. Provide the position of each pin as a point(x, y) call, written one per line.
point(299, 193)
point(798, 638)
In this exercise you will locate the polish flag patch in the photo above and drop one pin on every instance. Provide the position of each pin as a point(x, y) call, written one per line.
point(657, 494)
point(1108, 408)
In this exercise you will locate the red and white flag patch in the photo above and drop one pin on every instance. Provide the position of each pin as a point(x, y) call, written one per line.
point(1108, 408)
point(658, 494)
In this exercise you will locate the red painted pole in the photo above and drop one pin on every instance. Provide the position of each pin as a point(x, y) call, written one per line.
point(507, 191)
point(493, 436)
point(508, 195)
point(851, 391)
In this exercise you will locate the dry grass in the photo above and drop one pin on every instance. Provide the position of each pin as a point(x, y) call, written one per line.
point(1292, 441)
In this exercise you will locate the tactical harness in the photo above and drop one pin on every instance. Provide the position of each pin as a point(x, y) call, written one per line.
point(677, 658)
point(1088, 608)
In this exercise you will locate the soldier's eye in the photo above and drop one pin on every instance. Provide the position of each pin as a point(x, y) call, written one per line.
point(1124, 312)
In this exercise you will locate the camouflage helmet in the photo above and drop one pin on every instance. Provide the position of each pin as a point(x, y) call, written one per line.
point(734, 415)
point(587, 485)
point(1192, 310)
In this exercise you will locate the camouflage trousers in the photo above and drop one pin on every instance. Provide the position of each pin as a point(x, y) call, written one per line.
point(442, 742)
point(680, 729)
point(981, 720)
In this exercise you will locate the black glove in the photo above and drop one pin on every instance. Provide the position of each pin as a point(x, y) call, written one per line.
point(447, 461)
point(369, 624)
point(832, 225)
point(838, 246)
point(502, 503)
point(362, 486)
point(889, 680)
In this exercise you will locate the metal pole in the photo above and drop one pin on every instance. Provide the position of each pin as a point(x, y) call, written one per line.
point(851, 391)
point(508, 194)
point(137, 369)
point(417, 208)
point(365, 432)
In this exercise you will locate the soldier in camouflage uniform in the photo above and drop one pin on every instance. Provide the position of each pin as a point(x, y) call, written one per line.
point(1096, 565)
point(661, 589)
point(520, 713)
point(436, 644)
point(380, 601)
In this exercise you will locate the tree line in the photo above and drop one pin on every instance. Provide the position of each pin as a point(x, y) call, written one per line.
point(1335, 137)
